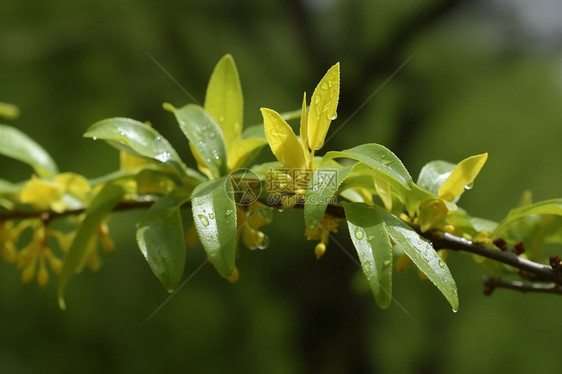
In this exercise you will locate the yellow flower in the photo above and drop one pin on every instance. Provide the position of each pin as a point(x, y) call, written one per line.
point(9, 235)
point(327, 225)
point(92, 258)
point(251, 220)
point(33, 258)
point(287, 148)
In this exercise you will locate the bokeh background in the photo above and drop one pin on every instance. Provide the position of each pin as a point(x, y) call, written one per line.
point(429, 79)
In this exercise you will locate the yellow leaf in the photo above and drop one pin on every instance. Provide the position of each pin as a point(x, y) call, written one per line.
point(241, 150)
point(323, 105)
point(74, 184)
point(283, 142)
point(200, 163)
point(304, 131)
point(9, 111)
point(384, 191)
point(41, 193)
point(431, 212)
point(462, 177)
point(224, 101)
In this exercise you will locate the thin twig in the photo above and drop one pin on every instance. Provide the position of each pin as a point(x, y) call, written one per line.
point(491, 283)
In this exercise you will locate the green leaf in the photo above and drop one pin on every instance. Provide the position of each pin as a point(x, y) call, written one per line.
point(204, 134)
point(553, 206)
point(370, 238)
point(15, 144)
point(380, 159)
point(256, 131)
point(323, 185)
point(423, 255)
point(138, 139)
point(224, 100)
point(9, 111)
point(243, 152)
point(161, 240)
point(434, 174)
point(100, 206)
point(214, 215)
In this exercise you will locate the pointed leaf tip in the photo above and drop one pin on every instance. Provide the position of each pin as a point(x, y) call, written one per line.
point(283, 142)
point(462, 177)
point(323, 106)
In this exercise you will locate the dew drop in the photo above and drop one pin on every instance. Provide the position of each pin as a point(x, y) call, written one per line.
point(455, 310)
point(208, 159)
point(359, 234)
point(264, 243)
point(334, 117)
point(387, 263)
point(229, 212)
point(122, 133)
point(158, 138)
point(368, 265)
point(95, 138)
point(441, 263)
point(469, 186)
point(182, 123)
point(370, 238)
point(212, 135)
point(203, 219)
point(163, 157)
point(212, 215)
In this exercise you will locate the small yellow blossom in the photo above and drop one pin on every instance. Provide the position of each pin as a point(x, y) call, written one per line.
point(92, 257)
point(9, 236)
point(328, 224)
point(32, 259)
point(251, 220)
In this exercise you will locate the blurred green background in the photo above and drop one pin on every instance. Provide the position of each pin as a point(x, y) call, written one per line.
point(467, 77)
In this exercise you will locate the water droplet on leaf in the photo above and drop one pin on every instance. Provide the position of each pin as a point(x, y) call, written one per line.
point(455, 310)
point(441, 263)
point(203, 219)
point(469, 186)
point(359, 234)
point(163, 157)
point(334, 117)
point(95, 138)
point(212, 215)
point(229, 212)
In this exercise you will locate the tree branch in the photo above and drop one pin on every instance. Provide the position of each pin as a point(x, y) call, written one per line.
point(491, 283)
point(444, 240)
point(438, 238)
